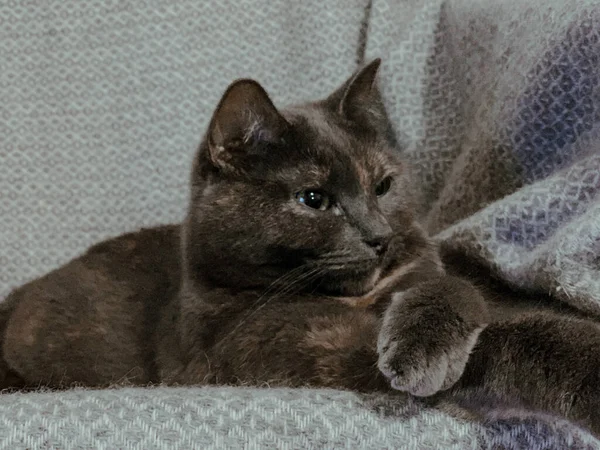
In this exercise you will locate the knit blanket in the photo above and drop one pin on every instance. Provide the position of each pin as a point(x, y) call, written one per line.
point(498, 104)
point(236, 418)
point(495, 105)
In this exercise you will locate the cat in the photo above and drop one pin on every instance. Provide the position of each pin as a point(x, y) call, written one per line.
point(301, 262)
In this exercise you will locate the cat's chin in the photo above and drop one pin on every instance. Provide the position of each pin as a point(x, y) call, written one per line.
point(352, 284)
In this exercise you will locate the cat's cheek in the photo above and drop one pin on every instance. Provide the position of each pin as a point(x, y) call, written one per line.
point(294, 208)
point(304, 228)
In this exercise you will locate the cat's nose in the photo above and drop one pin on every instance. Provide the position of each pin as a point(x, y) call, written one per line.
point(378, 234)
point(379, 244)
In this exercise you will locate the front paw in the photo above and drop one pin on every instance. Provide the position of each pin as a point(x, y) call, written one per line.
point(428, 333)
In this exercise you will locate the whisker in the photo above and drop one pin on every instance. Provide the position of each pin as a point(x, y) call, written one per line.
point(282, 279)
point(335, 254)
point(303, 278)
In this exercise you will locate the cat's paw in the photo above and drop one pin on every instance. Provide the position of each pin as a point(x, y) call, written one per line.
point(428, 333)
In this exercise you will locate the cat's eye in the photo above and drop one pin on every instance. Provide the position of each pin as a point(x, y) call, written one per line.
point(383, 186)
point(313, 199)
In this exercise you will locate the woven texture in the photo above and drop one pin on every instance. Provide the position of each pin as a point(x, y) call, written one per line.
point(219, 418)
point(498, 104)
point(103, 103)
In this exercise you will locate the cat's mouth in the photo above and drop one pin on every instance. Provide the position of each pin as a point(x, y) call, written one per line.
point(343, 273)
point(355, 277)
point(337, 273)
point(350, 268)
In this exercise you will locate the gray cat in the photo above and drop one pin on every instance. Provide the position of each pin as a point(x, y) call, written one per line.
point(301, 263)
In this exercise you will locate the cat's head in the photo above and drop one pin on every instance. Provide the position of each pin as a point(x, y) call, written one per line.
point(315, 193)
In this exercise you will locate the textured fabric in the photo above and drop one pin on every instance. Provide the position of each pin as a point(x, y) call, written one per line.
point(498, 103)
point(103, 104)
point(226, 418)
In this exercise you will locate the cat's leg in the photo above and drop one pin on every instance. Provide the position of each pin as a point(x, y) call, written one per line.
point(427, 334)
point(9, 379)
point(322, 343)
point(75, 326)
point(435, 337)
point(544, 361)
point(93, 320)
point(344, 350)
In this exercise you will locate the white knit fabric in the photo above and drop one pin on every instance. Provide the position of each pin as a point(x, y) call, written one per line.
point(226, 418)
point(498, 104)
point(104, 103)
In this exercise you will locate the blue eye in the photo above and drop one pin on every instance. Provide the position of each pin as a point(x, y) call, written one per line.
point(314, 199)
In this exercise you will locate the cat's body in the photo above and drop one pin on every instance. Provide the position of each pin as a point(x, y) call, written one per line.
point(300, 262)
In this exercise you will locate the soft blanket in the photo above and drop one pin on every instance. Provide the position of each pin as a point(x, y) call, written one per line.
point(495, 104)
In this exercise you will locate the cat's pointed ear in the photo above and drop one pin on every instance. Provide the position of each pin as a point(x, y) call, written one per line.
point(359, 99)
point(245, 121)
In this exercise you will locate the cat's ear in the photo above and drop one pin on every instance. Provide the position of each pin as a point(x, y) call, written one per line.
point(359, 99)
point(244, 122)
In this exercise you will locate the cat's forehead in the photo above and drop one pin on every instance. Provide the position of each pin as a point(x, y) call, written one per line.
point(319, 126)
point(326, 137)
